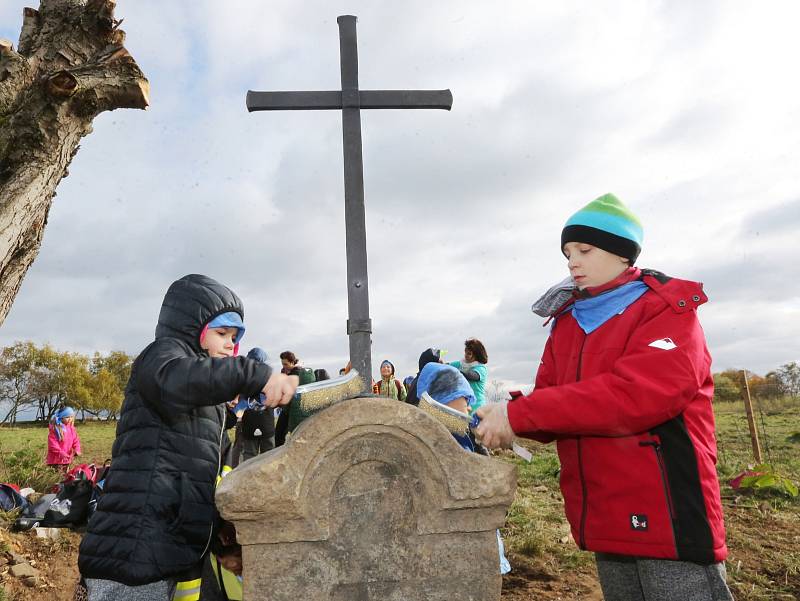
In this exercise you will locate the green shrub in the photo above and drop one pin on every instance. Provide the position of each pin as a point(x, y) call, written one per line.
point(767, 480)
point(24, 468)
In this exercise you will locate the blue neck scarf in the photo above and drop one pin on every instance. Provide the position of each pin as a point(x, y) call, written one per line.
point(592, 312)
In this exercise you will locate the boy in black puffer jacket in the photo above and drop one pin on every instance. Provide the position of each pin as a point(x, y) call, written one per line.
point(155, 520)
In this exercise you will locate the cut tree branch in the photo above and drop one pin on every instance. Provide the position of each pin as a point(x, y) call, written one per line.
point(70, 66)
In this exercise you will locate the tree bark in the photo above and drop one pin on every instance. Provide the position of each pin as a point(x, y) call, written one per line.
point(70, 66)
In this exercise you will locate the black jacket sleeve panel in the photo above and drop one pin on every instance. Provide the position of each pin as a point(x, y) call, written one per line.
point(179, 381)
point(411, 397)
point(230, 419)
point(471, 375)
point(253, 420)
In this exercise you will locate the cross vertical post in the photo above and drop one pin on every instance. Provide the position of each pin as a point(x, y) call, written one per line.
point(359, 324)
point(350, 99)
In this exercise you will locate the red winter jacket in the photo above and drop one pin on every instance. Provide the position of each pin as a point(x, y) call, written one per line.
point(630, 407)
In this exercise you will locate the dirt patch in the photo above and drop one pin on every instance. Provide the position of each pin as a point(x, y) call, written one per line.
point(538, 579)
point(764, 544)
point(56, 561)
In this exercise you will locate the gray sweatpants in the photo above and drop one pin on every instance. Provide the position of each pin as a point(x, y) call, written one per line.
point(108, 590)
point(633, 579)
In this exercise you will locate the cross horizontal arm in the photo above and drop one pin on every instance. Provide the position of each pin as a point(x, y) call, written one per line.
point(295, 101)
point(406, 99)
point(368, 99)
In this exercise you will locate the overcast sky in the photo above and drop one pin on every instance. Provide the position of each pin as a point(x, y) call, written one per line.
point(688, 111)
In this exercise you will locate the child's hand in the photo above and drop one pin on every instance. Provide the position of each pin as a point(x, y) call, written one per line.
point(494, 431)
point(279, 389)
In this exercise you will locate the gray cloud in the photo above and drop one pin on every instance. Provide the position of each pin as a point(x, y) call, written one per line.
point(781, 219)
point(464, 209)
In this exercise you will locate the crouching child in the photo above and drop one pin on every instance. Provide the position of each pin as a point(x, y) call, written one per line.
point(448, 386)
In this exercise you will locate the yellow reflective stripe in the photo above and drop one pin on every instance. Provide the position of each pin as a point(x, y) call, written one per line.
point(232, 582)
point(187, 584)
point(233, 585)
point(226, 469)
point(188, 590)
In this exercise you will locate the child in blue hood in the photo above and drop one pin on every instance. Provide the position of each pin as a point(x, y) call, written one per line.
point(447, 385)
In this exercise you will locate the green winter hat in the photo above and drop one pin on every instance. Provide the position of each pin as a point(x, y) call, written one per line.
point(608, 224)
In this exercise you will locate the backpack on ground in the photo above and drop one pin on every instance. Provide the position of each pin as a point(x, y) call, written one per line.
point(97, 491)
point(10, 497)
point(33, 514)
point(84, 471)
point(70, 506)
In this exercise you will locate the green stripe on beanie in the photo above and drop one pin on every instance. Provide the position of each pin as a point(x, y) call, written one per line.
point(608, 224)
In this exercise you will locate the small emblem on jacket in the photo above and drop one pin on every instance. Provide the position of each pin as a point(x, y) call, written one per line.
point(638, 522)
point(663, 343)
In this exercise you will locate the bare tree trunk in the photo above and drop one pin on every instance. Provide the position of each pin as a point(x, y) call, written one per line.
point(69, 67)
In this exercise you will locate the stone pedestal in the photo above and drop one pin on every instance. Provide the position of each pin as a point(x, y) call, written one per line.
point(371, 499)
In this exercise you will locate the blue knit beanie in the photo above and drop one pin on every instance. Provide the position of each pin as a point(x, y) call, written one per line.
point(608, 224)
point(231, 319)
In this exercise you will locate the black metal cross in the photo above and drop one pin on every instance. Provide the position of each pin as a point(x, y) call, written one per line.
point(351, 100)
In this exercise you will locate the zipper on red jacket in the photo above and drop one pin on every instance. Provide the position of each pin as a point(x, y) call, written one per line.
point(662, 469)
point(584, 488)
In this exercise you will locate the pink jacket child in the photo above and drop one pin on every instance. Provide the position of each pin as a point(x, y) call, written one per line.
point(62, 441)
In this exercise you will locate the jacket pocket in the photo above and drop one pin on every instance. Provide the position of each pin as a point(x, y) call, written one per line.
point(184, 490)
point(626, 496)
point(662, 471)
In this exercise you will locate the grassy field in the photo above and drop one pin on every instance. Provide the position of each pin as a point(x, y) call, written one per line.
point(763, 528)
point(23, 450)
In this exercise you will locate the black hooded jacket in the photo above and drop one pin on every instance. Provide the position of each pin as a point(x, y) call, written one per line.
point(154, 520)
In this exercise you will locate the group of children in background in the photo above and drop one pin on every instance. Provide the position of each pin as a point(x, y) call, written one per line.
point(472, 366)
point(623, 387)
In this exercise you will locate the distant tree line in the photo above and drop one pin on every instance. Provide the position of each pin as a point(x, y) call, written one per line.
point(729, 385)
point(43, 379)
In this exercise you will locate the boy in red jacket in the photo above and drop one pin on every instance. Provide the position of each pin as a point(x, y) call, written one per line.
point(624, 387)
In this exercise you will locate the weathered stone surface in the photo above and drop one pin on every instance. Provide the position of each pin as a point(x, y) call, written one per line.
point(23, 570)
point(370, 499)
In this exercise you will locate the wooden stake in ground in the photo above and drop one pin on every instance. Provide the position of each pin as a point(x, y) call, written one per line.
point(70, 66)
point(748, 405)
